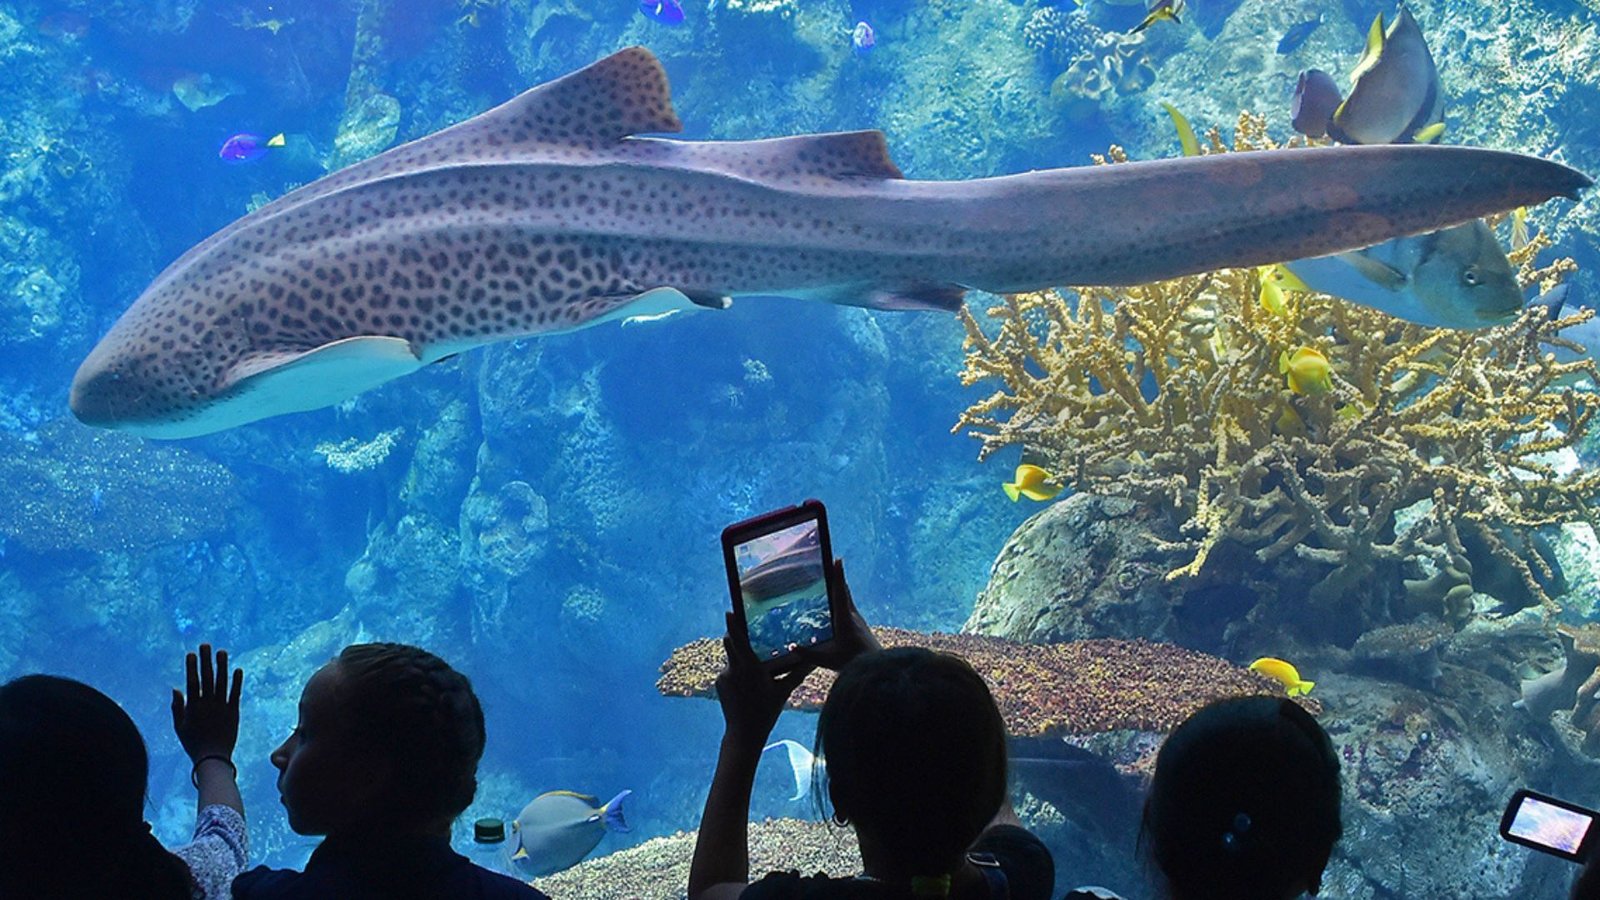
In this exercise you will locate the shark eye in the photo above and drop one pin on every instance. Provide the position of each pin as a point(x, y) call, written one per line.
point(1470, 277)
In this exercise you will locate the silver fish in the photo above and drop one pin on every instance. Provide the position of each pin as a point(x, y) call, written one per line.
point(547, 214)
point(1452, 278)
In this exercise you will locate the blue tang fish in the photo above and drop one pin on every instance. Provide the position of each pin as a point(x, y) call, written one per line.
point(667, 12)
point(246, 147)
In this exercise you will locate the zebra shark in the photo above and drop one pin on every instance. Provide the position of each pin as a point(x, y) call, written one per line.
point(550, 212)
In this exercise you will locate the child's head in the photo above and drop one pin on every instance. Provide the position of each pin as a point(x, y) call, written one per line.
point(388, 734)
point(1244, 803)
point(69, 755)
point(916, 754)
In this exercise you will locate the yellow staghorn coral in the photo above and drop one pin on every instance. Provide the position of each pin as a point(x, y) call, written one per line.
point(1171, 394)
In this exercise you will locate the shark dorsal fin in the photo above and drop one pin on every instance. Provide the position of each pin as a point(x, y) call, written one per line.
point(842, 154)
point(624, 94)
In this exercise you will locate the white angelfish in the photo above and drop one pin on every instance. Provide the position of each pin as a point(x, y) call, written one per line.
point(558, 829)
point(801, 762)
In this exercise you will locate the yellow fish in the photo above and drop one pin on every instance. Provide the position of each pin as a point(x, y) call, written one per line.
point(1307, 371)
point(1186, 138)
point(1519, 228)
point(1030, 483)
point(1274, 281)
point(1284, 674)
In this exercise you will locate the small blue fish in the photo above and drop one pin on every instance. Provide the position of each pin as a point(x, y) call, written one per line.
point(863, 38)
point(667, 12)
point(1297, 34)
point(246, 147)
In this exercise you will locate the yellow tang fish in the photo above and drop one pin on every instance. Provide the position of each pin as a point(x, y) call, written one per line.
point(1275, 280)
point(1030, 483)
point(1283, 673)
point(1307, 370)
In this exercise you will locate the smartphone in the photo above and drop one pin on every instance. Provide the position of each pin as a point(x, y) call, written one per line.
point(781, 577)
point(1544, 823)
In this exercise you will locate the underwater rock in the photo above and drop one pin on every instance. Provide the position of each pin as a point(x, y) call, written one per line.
point(439, 474)
point(1087, 566)
point(1426, 776)
point(658, 869)
point(368, 127)
point(1408, 652)
point(1074, 689)
point(408, 573)
point(37, 272)
point(73, 488)
point(506, 529)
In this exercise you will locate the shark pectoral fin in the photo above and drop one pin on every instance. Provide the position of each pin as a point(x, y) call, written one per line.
point(624, 94)
point(311, 379)
point(1385, 276)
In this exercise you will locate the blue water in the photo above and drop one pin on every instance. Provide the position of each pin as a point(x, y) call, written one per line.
point(638, 444)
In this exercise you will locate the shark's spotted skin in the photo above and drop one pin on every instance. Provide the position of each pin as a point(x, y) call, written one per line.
point(547, 214)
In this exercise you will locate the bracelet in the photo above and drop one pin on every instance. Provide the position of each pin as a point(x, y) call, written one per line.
point(194, 773)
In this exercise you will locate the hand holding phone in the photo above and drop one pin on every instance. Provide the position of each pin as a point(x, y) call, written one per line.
point(783, 583)
point(1550, 825)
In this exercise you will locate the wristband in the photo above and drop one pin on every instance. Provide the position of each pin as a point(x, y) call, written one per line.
point(194, 773)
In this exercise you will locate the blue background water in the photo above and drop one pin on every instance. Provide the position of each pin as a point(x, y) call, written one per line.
point(632, 446)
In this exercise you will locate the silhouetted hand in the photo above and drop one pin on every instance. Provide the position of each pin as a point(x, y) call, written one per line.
point(751, 699)
point(851, 635)
point(207, 722)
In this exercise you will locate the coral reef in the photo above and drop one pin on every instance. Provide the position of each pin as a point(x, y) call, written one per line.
point(1077, 688)
point(658, 869)
point(1170, 394)
point(355, 455)
point(1115, 63)
point(73, 488)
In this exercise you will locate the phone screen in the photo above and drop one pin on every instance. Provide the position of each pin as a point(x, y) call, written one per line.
point(784, 589)
point(1549, 825)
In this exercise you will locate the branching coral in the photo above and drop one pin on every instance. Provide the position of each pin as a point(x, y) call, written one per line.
point(1171, 394)
point(1075, 688)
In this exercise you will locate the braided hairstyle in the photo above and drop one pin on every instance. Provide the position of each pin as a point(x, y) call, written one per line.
point(69, 755)
point(407, 705)
point(916, 754)
point(1244, 803)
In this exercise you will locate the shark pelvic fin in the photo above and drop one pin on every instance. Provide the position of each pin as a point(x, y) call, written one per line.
point(624, 94)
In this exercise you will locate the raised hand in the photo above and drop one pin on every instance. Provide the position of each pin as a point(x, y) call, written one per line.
point(206, 719)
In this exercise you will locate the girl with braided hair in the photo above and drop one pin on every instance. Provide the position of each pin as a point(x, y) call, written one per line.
point(382, 761)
